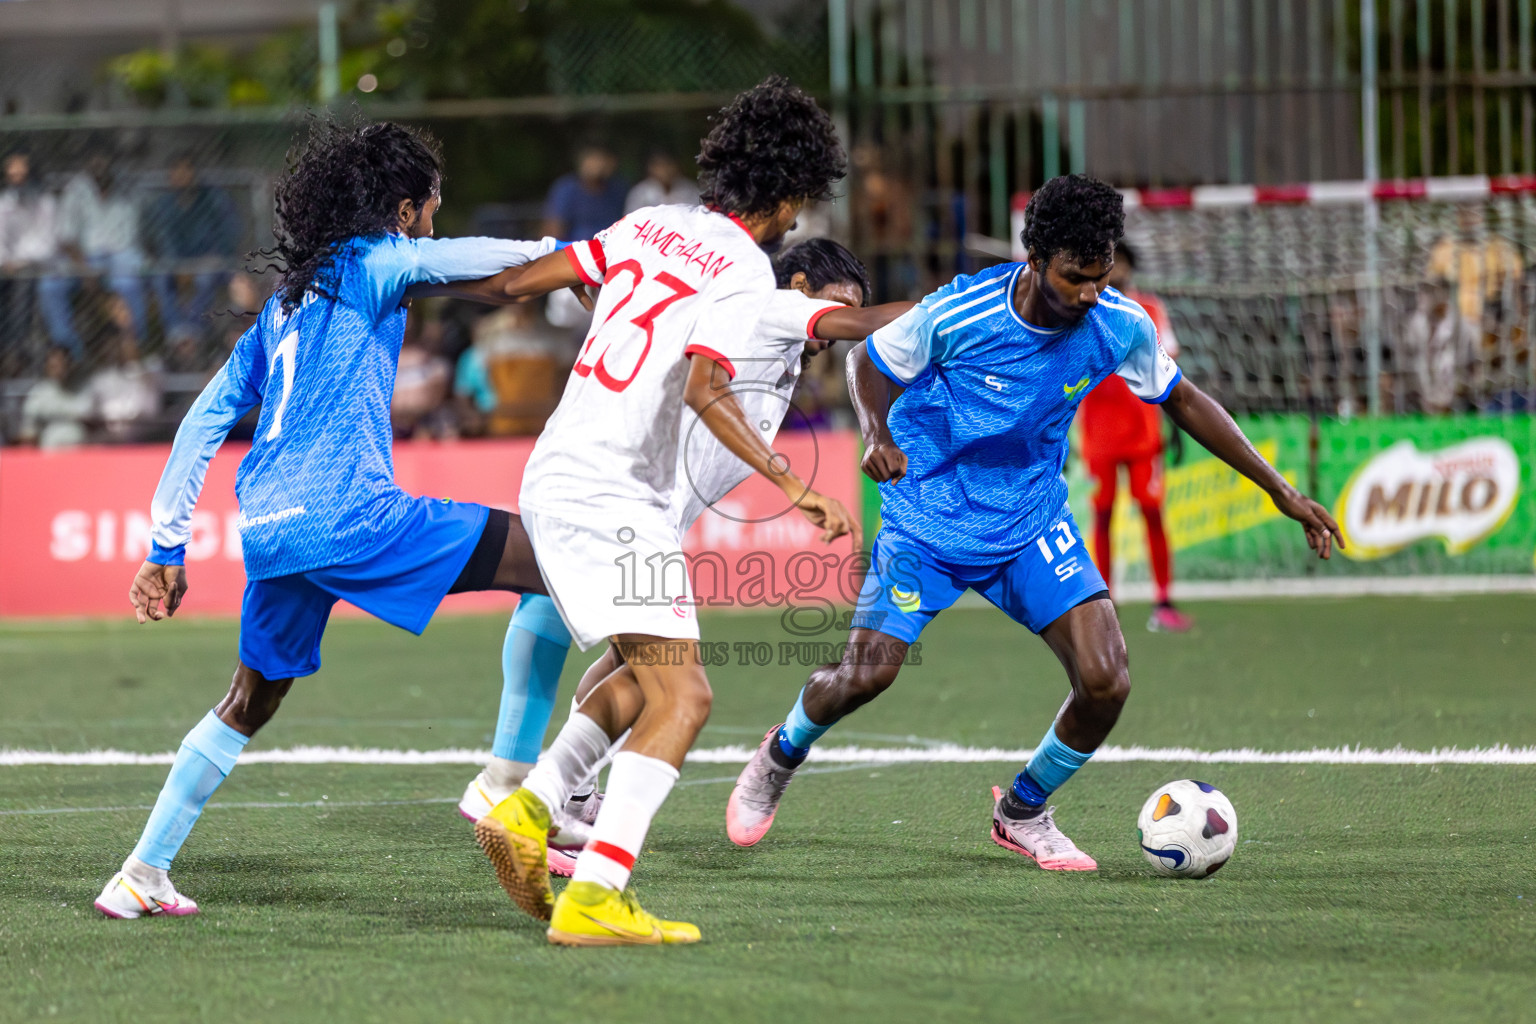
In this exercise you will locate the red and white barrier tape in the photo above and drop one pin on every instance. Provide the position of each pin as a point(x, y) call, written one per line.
point(1473, 186)
point(1319, 193)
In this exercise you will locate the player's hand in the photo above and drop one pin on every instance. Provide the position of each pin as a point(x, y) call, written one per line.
point(884, 462)
point(1322, 532)
point(583, 297)
point(829, 514)
point(153, 585)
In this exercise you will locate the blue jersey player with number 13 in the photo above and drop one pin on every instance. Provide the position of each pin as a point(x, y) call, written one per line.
point(321, 517)
point(969, 459)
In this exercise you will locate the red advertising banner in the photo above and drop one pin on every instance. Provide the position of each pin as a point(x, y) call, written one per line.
point(74, 525)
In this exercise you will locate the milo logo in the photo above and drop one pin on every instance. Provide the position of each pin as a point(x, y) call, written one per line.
point(1460, 494)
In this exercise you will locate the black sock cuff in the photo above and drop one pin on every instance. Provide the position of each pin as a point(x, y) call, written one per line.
point(777, 756)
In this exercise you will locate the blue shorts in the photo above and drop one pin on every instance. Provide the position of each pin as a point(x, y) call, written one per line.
point(402, 581)
point(909, 583)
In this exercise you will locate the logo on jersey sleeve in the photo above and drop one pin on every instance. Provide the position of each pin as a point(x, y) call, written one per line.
point(996, 384)
point(1075, 391)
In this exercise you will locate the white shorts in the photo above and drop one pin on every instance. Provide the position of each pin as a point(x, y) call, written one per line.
point(626, 576)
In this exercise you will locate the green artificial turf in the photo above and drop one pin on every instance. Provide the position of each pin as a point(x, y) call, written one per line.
point(1357, 893)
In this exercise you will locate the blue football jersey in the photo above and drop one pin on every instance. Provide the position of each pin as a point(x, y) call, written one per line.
point(988, 404)
point(318, 485)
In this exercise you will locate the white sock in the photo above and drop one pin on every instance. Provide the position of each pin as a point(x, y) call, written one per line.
point(504, 774)
point(637, 787)
point(580, 746)
point(589, 784)
point(145, 876)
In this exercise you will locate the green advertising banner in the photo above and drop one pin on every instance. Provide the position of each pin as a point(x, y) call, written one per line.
point(1414, 495)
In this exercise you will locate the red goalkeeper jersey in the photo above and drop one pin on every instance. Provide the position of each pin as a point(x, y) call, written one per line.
point(1116, 425)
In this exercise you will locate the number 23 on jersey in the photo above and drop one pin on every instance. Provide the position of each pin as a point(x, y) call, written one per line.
point(613, 336)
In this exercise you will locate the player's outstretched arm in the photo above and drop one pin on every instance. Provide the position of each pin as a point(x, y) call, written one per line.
point(471, 268)
point(723, 415)
point(514, 284)
point(161, 581)
point(1203, 418)
point(857, 323)
point(544, 275)
point(870, 391)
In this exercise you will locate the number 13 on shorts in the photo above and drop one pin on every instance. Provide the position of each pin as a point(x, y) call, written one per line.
point(1062, 539)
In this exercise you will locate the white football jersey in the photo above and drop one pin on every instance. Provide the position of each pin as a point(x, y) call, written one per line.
point(764, 384)
point(675, 281)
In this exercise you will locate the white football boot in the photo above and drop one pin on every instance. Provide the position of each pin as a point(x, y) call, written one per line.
point(1037, 838)
point(147, 893)
point(480, 796)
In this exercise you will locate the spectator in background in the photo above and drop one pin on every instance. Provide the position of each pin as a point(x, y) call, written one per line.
point(882, 209)
point(508, 381)
point(586, 200)
point(1470, 273)
point(1439, 349)
point(193, 231)
point(125, 393)
point(99, 234)
point(418, 408)
point(1476, 263)
point(663, 185)
point(29, 242)
point(54, 414)
point(580, 204)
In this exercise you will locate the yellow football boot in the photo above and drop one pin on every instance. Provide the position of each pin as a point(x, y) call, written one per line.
point(589, 914)
point(514, 837)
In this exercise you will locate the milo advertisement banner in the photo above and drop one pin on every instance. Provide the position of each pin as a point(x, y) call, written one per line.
point(1414, 495)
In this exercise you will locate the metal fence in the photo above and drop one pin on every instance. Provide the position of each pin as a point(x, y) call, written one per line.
point(1272, 302)
point(949, 108)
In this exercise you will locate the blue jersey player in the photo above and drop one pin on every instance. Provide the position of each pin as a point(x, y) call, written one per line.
point(969, 458)
point(321, 518)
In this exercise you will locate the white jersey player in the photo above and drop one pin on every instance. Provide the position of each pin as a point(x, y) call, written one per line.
point(676, 282)
point(815, 278)
point(681, 289)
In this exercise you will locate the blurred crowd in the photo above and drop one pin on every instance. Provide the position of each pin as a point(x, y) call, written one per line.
point(121, 296)
point(121, 293)
point(1467, 330)
point(108, 285)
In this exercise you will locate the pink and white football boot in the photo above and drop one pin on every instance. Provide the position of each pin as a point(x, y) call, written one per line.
point(147, 893)
point(1037, 838)
point(755, 800)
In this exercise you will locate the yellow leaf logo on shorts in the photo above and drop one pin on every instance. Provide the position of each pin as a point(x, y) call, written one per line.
point(906, 600)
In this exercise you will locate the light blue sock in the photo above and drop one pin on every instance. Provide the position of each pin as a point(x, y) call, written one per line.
point(799, 732)
point(532, 658)
point(207, 755)
point(1052, 764)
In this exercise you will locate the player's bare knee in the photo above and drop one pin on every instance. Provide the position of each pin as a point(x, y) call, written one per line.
point(1106, 679)
point(252, 700)
point(862, 682)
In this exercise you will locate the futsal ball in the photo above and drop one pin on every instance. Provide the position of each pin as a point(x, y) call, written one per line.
point(1187, 829)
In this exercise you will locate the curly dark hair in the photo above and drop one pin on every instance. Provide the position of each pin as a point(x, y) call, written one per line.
point(344, 182)
point(770, 144)
point(1074, 214)
point(823, 262)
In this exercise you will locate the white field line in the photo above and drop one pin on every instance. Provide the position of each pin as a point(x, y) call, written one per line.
point(265, 805)
point(947, 753)
point(1326, 586)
